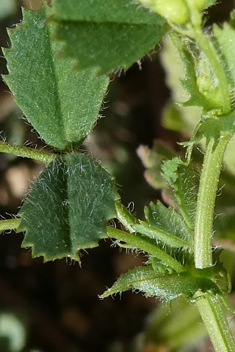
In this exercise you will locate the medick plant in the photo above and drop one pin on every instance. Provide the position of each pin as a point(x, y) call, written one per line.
point(57, 64)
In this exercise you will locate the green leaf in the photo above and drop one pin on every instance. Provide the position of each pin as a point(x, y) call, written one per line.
point(152, 160)
point(172, 118)
point(106, 35)
point(62, 105)
point(213, 128)
point(182, 178)
point(179, 330)
point(159, 235)
point(158, 216)
point(148, 245)
point(224, 225)
point(175, 73)
point(159, 266)
point(226, 39)
point(209, 3)
point(167, 286)
point(174, 12)
point(68, 207)
point(197, 74)
point(125, 217)
point(232, 19)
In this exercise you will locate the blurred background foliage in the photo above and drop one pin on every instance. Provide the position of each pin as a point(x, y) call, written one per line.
point(54, 306)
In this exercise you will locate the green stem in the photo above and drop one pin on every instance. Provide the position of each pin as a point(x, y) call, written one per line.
point(125, 217)
point(11, 224)
point(206, 201)
point(26, 152)
point(211, 311)
point(209, 50)
point(140, 242)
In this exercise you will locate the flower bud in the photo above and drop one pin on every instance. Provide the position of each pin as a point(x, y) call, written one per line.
point(175, 11)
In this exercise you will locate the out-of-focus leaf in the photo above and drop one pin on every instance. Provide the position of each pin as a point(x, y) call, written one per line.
point(152, 160)
point(175, 72)
point(232, 19)
point(7, 8)
point(209, 3)
point(172, 118)
point(198, 80)
point(12, 333)
point(176, 12)
point(68, 207)
point(106, 35)
point(181, 329)
point(226, 39)
point(62, 105)
point(224, 224)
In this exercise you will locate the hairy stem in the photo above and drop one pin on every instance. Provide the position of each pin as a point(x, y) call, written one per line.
point(11, 224)
point(140, 242)
point(206, 201)
point(211, 311)
point(26, 152)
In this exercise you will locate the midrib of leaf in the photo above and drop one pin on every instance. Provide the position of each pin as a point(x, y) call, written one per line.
point(54, 51)
point(63, 168)
point(46, 88)
point(58, 104)
point(68, 207)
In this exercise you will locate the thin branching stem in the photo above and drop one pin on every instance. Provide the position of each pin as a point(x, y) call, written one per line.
point(27, 152)
point(140, 242)
point(11, 224)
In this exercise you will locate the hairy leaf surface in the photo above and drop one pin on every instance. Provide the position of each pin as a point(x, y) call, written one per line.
point(197, 73)
point(181, 177)
point(160, 236)
point(62, 105)
point(146, 244)
point(168, 220)
point(68, 207)
point(214, 128)
point(226, 40)
point(104, 34)
point(188, 117)
point(167, 286)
